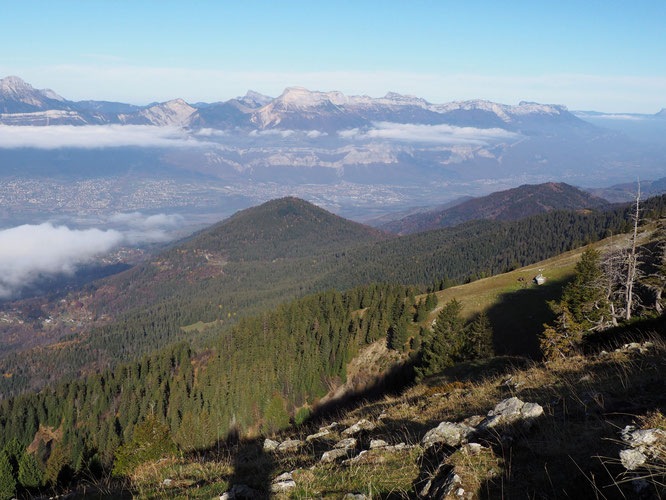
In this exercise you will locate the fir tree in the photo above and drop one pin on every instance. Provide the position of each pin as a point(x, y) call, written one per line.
point(397, 336)
point(421, 313)
point(479, 338)
point(7, 480)
point(446, 343)
point(30, 473)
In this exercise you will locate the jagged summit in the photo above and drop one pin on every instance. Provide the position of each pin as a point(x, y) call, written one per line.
point(662, 112)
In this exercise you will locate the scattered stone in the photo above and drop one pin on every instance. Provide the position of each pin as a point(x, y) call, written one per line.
point(355, 496)
point(585, 378)
point(449, 433)
point(443, 482)
point(285, 476)
point(290, 445)
point(473, 448)
point(167, 482)
point(512, 410)
point(643, 437)
point(357, 458)
point(329, 427)
point(346, 444)
point(333, 455)
point(240, 491)
point(270, 445)
point(378, 443)
point(632, 459)
point(474, 420)
point(283, 482)
point(382, 416)
point(361, 425)
point(318, 435)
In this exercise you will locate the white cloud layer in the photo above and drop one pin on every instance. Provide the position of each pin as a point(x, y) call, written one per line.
point(94, 136)
point(33, 250)
point(430, 134)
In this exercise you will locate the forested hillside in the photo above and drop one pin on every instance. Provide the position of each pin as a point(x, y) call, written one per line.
point(509, 205)
point(256, 373)
point(153, 302)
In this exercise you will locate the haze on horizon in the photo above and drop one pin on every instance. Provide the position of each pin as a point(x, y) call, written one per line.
point(592, 56)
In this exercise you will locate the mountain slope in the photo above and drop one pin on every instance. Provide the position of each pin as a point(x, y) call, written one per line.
point(620, 193)
point(283, 228)
point(511, 204)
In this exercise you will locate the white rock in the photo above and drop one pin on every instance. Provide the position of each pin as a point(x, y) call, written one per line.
point(632, 458)
point(282, 486)
point(346, 444)
point(449, 433)
point(333, 455)
point(270, 445)
point(290, 445)
point(378, 443)
point(361, 425)
point(285, 476)
point(329, 427)
point(318, 435)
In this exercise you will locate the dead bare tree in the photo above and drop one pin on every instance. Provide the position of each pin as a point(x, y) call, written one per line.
point(632, 260)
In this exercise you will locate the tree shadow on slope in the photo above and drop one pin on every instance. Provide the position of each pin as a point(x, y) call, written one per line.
point(393, 381)
point(518, 316)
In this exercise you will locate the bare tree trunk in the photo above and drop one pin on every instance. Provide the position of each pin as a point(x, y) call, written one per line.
point(631, 268)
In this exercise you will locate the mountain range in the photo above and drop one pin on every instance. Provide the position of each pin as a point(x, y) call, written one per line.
point(358, 156)
point(296, 108)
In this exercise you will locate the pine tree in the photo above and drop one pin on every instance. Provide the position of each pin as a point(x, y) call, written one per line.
point(585, 297)
point(275, 417)
point(421, 313)
point(431, 301)
point(30, 474)
point(397, 336)
point(560, 340)
point(479, 338)
point(446, 343)
point(151, 441)
point(7, 481)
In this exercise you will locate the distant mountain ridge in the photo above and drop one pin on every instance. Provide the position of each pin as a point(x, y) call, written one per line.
point(296, 108)
point(512, 204)
point(619, 193)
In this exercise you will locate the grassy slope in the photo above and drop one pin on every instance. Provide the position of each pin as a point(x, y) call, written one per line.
point(518, 309)
point(570, 452)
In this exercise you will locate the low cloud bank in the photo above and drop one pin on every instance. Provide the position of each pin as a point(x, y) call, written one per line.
point(431, 134)
point(94, 136)
point(31, 251)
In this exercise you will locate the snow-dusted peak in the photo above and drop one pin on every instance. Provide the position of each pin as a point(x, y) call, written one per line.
point(174, 112)
point(254, 99)
point(50, 94)
point(404, 99)
point(662, 112)
point(15, 85)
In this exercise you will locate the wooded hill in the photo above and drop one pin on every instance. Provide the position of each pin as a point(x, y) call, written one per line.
point(258, 376)
point(186, 284)
point(509, 205)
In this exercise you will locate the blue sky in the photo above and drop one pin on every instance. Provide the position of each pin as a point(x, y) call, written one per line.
point(609, 56)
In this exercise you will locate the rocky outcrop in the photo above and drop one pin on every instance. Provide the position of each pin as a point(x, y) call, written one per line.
point(448, 433)
point(290, 445)
point(644, 444)
point(270, 445)
point(511, 411)
point(283, 483)
point(360, 426)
